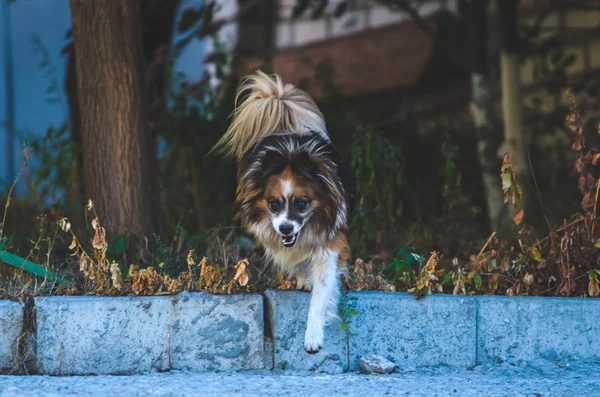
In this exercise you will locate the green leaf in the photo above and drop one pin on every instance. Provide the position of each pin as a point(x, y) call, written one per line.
point(477, 280)
point(447, 279)
point(353, 312)
point(535, 255)
point(597, 245)
point(119, 245)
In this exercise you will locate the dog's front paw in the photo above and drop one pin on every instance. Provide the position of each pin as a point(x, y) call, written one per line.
point(313, 347)
point(313, 341)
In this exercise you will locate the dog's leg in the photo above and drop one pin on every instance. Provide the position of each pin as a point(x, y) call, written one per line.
point(323, 299)
point(303, 283)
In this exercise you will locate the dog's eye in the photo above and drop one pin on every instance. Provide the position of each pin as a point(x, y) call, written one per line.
point(301, 205)
point(275, 205)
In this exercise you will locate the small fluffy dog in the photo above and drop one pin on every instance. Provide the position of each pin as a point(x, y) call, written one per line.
point(295, 193)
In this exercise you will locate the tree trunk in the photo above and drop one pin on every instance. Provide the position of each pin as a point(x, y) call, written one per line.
point(512, 107)
point(112, 107)
point(489, 133)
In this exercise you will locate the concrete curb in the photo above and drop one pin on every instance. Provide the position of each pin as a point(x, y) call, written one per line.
point(203, 332)
point(287, 312)
point(441, 330)
point(396, 326)
point(522, 329)
point(435, 330)
point(11, 325)
point(124, 335)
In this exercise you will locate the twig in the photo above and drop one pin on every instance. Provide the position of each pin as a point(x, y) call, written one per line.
point(595, 204)
point(539, 195)
point(558, 285)
point(10, 190)
point(564, 227)
point(486, 244)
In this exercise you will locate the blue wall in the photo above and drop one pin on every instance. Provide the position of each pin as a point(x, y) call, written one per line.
point(49, 20)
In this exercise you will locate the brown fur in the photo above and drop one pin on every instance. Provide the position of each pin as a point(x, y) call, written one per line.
point(341, 245)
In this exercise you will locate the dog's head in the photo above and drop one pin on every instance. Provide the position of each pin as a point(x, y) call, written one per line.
point(291, 191)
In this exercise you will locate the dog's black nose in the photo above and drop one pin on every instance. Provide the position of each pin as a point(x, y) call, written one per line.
point(286, 229)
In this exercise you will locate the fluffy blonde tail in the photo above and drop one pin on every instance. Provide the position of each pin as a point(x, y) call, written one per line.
point(270, 107)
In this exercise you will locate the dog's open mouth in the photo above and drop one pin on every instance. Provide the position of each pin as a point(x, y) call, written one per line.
point(289, 241)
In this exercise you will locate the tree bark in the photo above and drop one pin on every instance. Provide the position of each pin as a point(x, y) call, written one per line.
point(112, 107)
point(489, 132)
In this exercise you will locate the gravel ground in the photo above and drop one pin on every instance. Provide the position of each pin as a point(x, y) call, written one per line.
point(576, 379)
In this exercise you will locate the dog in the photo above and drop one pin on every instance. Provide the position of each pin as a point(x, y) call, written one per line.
point(295, 194)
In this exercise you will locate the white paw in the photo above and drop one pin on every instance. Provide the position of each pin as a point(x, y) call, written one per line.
point(313, 341)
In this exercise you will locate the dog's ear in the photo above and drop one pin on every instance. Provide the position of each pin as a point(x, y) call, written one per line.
point(273, 163)
point(305, 164)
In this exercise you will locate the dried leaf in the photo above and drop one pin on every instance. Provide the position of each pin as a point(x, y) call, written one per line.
point(579, 165)
point(202, 265)
point(588, 201)
point(519, 217)
point(510, 188)
point(95, 223)
point(581, 184)
point(459, 287)
point(190, 258)
point(90, 205)
point(362, 268)
point(115, 275)
point(99, 242)
point(240, 275)
point(91, 272)
point(282, 283)
point(73, 244)
point(83, 265)
point(578, 142)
